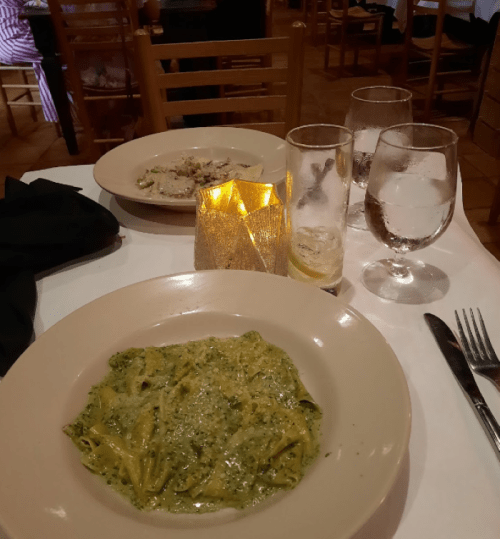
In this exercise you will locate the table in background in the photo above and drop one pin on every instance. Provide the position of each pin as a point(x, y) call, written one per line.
point(212, 20)
point(462, 9)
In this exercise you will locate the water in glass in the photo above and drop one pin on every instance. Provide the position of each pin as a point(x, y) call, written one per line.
point(371, 109)
point(409, 204)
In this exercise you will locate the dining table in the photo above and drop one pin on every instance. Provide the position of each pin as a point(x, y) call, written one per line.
point(461, 9)
point(448, 484)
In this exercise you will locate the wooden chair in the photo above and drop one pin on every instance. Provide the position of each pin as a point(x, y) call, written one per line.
point(275, 112)
point(12, 93)
point(314, 15)
point(95, 39)
point(355, 29)
point(437, 65)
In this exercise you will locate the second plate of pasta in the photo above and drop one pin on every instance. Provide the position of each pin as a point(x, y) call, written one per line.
point(343, 361)
point(127, 170)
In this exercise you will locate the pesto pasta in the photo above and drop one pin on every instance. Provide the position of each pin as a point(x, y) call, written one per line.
point(196, 427)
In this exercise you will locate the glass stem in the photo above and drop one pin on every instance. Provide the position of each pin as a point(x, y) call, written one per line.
point(398, 268)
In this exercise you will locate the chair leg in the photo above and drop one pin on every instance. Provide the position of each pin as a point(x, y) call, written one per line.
point(485, 62)
point(429, 99)
point(495, 207)
point(433, 71)
point(343, 40)
point(427, 108)
point(405, 61)
point(378, 45)
point(304, 10)
point(327, 45)
point(314, 22)
point(439, 96)
point(10, 117)
point(29, 95)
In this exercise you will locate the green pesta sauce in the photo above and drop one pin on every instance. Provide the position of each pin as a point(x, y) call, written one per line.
point(197, 427)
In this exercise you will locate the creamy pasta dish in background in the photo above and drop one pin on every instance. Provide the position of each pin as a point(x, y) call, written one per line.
point(200, 426)
point(183, 177)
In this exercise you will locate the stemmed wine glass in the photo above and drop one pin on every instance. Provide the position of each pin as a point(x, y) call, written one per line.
point(409, 203)
point(372, 109)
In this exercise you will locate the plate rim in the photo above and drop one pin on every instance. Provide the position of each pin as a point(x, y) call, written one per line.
point(369, 510)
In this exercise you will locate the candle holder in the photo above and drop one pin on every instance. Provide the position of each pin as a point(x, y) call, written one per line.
point(240, 225)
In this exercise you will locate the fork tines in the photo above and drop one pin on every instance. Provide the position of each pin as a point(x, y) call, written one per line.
point(478, 349)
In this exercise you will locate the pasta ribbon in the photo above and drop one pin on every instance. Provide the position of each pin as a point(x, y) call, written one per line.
point(200, 426)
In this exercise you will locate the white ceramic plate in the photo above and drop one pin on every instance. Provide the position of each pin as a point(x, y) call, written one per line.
point(343, 360)
point(118, 170)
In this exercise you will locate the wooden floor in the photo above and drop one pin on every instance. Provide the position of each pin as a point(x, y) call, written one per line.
point(325, 99)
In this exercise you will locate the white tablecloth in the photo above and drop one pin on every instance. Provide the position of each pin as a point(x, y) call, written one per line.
point(449, 486)
point(482, 9)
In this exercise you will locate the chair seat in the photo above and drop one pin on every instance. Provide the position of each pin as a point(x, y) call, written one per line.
point(436, 66)
point(447, 44)
point(355, 13)
point(353, 28)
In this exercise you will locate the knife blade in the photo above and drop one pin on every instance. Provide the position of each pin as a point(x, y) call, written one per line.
point(455, 358)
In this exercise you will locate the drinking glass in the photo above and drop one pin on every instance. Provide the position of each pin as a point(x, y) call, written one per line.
point(409, 203)
point(319, 167)
point(371, 109)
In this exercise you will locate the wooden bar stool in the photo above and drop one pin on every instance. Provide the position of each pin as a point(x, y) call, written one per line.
point(12, 93)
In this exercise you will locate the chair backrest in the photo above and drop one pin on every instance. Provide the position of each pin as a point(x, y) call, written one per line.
point(96, 43)
point(338, 5)
point(280, 103)
point(435, 49)
point(414, 8)
point(94, 28)
point(438, 8)
point(314, 15)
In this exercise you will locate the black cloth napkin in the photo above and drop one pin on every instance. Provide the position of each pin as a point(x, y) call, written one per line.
point(42, 225)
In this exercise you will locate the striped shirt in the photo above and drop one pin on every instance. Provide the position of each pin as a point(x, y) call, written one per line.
point(17, 45)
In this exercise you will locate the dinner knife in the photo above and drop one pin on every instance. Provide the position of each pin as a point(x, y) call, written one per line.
point(458, 364)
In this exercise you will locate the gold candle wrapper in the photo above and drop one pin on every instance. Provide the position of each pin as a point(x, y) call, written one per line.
point(240, 225)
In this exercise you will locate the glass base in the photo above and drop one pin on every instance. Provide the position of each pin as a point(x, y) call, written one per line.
point(420, 284)
point(356, 216)
point(333, 290)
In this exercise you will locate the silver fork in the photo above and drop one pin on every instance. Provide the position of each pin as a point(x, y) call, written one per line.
point(478, 351)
